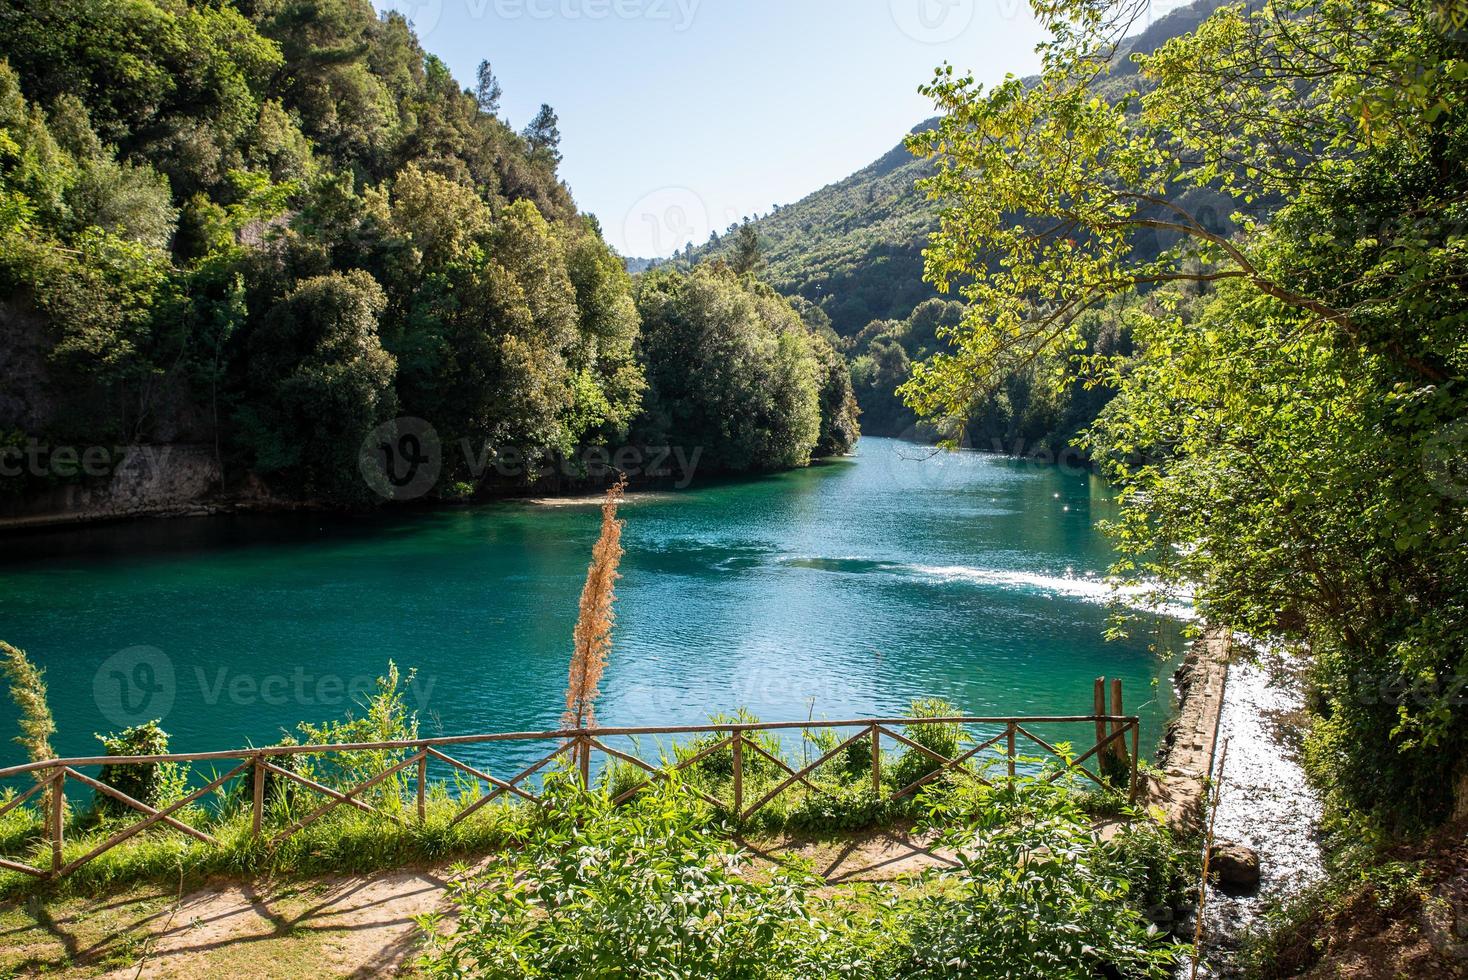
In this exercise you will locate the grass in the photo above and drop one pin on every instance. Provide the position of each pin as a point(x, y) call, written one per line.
point(351, 841)
point(346, 841)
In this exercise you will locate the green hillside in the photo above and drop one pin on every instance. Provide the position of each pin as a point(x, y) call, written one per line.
point(855, 247)
point(282, 230)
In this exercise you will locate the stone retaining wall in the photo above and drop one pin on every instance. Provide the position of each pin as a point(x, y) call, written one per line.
point(148, 480)
point(1191, 740)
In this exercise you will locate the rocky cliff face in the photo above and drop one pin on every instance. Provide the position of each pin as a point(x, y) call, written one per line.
point(143, 481)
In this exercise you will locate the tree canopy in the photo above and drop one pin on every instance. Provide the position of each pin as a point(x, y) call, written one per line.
point(273, 227)
point(1297, 391)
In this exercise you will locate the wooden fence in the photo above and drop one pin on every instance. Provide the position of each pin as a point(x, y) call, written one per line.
point(575, 749)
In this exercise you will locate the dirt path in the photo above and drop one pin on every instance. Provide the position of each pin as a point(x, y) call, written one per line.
point(360, 926)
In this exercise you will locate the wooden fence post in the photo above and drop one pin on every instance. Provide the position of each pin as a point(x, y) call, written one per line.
point(738, 775)
point(876, 760)
point(422, 784)
point(1118, 747)
point(1136, 759)
point(1098, 703)
point(1009, 748)
point(57, 818)
point(585, 762)
point(257, 810)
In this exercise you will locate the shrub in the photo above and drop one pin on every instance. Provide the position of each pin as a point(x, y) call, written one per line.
point(646, 890)
point(943, 738)
point(385, 718)
point(1035, 892)
point(155, 783)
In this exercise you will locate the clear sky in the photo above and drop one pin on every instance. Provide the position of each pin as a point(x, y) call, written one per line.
point(680, 116)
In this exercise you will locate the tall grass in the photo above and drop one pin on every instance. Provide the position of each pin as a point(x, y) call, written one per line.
point(28, 691)
point(593, 634)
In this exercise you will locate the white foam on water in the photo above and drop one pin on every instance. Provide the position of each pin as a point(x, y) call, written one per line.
point(1091, 588)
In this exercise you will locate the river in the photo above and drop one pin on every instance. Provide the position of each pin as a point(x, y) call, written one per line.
point(842, 590)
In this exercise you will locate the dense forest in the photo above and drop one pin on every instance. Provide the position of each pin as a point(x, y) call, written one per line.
point(855, 250)
point(1288, 429)
point(273, 226)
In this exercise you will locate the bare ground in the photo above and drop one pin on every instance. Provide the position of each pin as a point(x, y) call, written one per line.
point(360, 926)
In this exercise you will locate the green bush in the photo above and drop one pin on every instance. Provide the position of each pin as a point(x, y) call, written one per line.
point(1036, 892)
point(943, 739)
point(155, 783)
point(647, 890)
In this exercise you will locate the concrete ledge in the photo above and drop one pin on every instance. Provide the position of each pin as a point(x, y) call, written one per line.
point(1191, 739)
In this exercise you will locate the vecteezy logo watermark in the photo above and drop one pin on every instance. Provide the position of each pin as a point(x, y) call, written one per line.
point(140, 684)
point(134, 686)
point(1445, 460)
point(1395, 689)
point(679, 13)
point(932, 21)
point(403, 460)
point(299, 688)
point(664, 221)
point(424, 15)
point(36, 458)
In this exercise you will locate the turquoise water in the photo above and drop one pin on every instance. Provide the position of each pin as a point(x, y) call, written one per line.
point(839, 591)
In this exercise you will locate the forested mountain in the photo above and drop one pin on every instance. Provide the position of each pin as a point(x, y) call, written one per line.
point(854, 248)
point(275, 225)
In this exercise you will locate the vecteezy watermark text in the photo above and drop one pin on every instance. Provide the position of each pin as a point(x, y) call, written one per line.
point(141, 684)
point(427, 15)
point(404, 459)
point(39, 459)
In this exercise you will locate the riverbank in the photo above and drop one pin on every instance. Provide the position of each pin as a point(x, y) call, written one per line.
point(1266, 803)
point(1189, 745)
point(1239, 725)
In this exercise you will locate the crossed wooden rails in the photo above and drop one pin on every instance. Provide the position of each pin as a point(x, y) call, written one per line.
point(576, 747)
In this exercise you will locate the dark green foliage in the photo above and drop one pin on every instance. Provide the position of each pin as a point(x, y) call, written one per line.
point(747, 256)
point(148, 782)
point(731, 369)
point(321, 381)
point(404, 252)
point(271, 226)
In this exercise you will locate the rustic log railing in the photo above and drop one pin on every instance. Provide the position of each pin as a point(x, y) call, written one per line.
point(575, 748)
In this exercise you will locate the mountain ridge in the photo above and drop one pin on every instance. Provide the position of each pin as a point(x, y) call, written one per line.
point(854, 247)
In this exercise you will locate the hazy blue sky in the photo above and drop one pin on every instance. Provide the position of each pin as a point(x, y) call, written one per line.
point(679, 116)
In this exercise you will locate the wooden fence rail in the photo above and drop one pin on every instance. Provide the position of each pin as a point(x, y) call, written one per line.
point(576, 748)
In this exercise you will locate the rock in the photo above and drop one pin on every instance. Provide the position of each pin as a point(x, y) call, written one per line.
point(1234, 866)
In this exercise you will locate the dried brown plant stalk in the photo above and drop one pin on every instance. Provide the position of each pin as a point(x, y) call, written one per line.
point(28, 691)
point(593, 634)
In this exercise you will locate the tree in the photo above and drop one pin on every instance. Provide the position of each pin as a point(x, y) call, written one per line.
point(1090, 172)
point(747, 255)
point(544, 135)
point(730, 369)
point(321, 382)
point(487, 90)
point(1295, 384)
